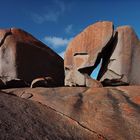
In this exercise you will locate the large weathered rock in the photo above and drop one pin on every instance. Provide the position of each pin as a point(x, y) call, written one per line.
point(72, 113)
point(24, 57)
point(83, 53)
point(124, 63)
point(118, 51)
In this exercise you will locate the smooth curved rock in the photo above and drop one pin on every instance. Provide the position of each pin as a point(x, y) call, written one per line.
point(43, 82)
point(83, 53)
point(124, 61)
point(24, 57)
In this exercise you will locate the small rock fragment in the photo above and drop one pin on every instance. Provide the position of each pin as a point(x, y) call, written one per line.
point(90, 82)
point(26, 95)
point(43, 82)
point(113, 82)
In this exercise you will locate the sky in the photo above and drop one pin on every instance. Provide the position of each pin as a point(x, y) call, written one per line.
point(56, 22)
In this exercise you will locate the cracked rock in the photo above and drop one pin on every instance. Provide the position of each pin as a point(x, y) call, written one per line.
point(118, 51)
point(83, 53)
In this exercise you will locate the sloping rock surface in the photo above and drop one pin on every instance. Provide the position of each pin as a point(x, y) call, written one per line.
point(21, 119)
point(24, 57)
point(71, 113)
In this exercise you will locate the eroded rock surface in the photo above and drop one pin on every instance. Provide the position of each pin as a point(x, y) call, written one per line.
point(83, 53)
point(71, 113)
point(118, 51)
point(26, 58)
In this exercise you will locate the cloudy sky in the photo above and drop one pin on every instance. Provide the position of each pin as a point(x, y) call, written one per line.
point(56, 22)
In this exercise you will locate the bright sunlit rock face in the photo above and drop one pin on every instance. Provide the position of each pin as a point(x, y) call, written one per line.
point(83, 53)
